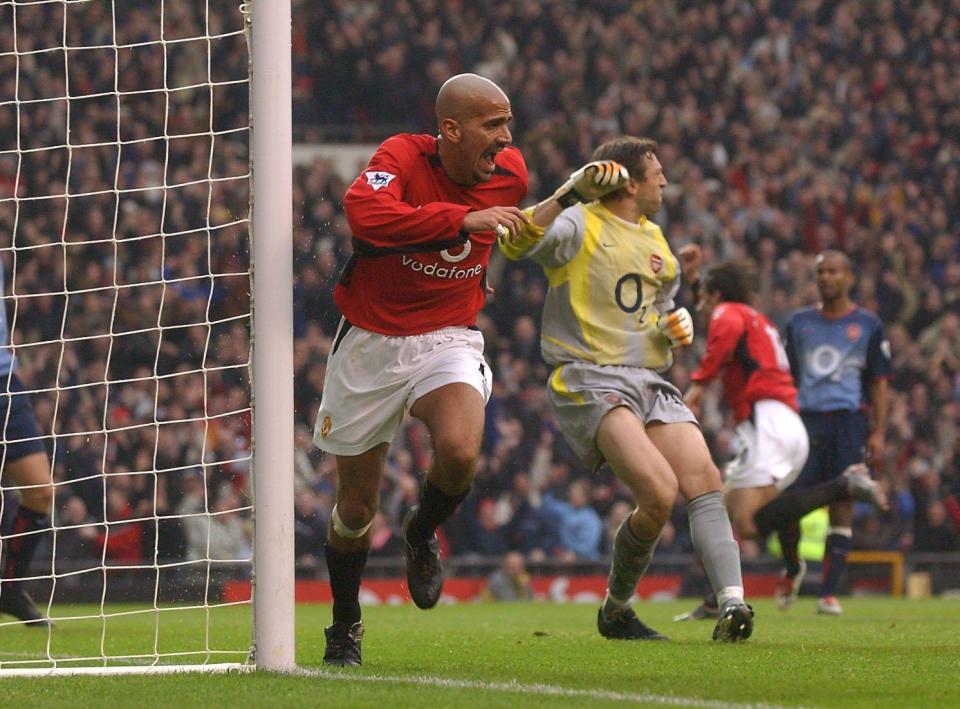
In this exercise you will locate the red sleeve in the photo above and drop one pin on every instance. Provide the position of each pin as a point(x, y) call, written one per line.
point(725, 329)
point(953, 507)
point(375, 208)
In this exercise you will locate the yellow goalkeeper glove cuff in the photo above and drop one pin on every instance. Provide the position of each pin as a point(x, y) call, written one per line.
point(677, 326)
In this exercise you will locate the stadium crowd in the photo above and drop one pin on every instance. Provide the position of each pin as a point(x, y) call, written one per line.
point(786, 128)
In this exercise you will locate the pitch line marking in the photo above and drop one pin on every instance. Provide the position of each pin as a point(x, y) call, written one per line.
point(532, 689)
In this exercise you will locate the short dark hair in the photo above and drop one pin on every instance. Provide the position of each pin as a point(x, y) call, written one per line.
point(733, 281)
point(629, 151)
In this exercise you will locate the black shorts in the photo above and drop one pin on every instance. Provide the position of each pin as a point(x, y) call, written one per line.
point(20, 434)
point(838, 439)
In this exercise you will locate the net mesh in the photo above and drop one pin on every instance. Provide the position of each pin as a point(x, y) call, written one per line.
point(124, 214)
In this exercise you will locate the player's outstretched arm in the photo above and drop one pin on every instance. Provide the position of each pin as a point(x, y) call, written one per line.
point(591, 182)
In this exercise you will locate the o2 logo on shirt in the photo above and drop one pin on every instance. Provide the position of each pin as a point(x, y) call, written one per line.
point(377, 179)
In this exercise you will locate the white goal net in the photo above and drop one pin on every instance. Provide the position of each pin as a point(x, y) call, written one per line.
point(125, 217)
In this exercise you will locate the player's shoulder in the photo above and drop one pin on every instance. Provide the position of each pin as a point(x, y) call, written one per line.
point(868, 317)
point(810, 312)
point(410, 144)
point(511, 160)
point(511, 169)
point(729, 312)
point(648, 223)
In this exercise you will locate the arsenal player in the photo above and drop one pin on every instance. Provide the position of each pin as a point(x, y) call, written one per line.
point(424, 215)
point(744, 349)
point(840, 359)
point(610, 326)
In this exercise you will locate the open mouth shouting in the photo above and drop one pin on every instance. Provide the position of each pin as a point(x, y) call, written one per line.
point(488, 159)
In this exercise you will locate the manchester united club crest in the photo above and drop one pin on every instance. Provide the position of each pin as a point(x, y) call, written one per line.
point(853, 332)
point(325, 426)
point(656, 263)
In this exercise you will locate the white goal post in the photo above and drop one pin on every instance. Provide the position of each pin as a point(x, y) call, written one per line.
point(146, 238)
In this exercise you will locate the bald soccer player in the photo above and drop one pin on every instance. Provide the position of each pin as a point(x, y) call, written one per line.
point(840, 360)
point(424, 215)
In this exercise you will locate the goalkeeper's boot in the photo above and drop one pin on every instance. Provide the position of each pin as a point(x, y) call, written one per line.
point(701, 612)
point(863, 488)
point(788, 587)
point(829, 605)
point(18, 603)
point(424, 570)
point(343, 644)
point(735, 624)
point(625, 626)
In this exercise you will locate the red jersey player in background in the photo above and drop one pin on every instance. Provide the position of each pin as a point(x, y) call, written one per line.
point(744, 349)
point(424, 216)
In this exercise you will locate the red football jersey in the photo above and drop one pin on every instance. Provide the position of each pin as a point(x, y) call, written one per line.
point(413, 270)
point(746, 347)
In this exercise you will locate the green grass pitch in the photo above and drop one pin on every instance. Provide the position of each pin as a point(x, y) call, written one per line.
point(881, 652)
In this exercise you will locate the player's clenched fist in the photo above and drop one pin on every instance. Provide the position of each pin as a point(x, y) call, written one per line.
point(591, 182)
point(677, 326)
point(505, 221)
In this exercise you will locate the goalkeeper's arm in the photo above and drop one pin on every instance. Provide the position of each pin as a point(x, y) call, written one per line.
point(591, 182)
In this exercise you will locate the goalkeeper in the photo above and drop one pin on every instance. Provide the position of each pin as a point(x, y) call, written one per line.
point(609, 326)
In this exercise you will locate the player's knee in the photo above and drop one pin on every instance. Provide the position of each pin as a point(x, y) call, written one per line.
point(457, 455)
point(660, 503)
point(702, 480)
point(38, 499)
point(353, 517)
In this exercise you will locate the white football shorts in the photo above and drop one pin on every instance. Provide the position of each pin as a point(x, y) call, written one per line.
point(372, 379)
point(773, 448)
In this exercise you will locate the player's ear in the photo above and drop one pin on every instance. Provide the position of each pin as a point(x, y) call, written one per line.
point(451, 130)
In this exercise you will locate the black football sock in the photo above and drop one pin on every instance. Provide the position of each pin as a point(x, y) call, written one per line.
point(792, 505)
point(20, 549)
point(835, 560)
point(790, 545)
point(435, 508)
point(345, 570)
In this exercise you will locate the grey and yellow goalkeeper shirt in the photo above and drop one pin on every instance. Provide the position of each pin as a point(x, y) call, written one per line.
point(609, 280)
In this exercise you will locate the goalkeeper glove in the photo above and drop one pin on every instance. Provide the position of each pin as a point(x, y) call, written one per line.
point(677, 326)
point(591, 182)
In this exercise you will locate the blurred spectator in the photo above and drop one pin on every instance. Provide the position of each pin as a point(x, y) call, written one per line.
point(511, 582)
point(121, 541)
point(76, 538)
point(309, 530)
point(578, 524)
point(384, 541)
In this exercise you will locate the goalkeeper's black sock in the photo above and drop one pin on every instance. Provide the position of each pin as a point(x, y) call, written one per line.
point(435, 507)
point(345, 570)
point(790, 545)
point(792, 505)
point(31, 525)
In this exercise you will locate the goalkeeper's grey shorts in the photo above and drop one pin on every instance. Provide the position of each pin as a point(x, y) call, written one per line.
point(581, 394)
